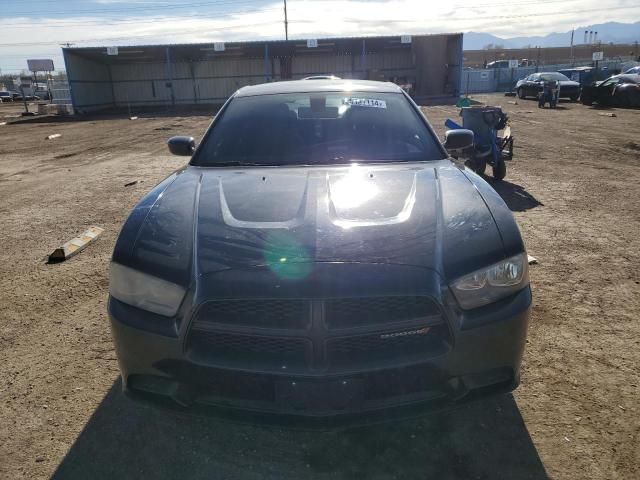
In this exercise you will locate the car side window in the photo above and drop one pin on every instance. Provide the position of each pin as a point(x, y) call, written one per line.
point(611, 82)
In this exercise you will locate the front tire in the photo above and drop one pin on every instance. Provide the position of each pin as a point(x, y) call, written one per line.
point(500, 171)
point(478, 165)
point(574, 98)
point(521, 94)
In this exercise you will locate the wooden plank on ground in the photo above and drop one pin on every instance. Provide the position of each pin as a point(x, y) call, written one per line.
point(75, 245)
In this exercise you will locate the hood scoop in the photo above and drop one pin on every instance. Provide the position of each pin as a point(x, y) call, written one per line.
point(264, 201)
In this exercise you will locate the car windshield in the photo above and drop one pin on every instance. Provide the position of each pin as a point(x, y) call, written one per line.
point(318, 128)
point(553, 76)
point(630, 78)
point(611, 81)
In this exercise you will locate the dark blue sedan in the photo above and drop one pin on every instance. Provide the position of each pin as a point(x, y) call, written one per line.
point(320, 255)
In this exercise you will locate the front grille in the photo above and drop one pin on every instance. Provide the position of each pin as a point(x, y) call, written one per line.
point(357, 349)
point(313, 335)
point(292, 314)
point(232, 348)
point(357, 312)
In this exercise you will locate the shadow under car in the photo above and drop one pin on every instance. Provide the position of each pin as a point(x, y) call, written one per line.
point(125, 439)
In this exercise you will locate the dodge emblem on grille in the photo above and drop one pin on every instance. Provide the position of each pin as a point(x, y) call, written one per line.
point(420, 331)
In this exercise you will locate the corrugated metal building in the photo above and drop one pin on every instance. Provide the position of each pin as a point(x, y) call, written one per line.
point(191, 74)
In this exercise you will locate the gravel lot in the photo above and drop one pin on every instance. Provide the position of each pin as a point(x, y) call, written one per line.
point(574, 188)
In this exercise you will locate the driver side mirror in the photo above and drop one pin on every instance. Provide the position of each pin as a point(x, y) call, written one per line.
point(182, 145)
point(458, 139)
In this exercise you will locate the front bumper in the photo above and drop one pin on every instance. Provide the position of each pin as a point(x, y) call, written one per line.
point(565, 92)
point(484, 357)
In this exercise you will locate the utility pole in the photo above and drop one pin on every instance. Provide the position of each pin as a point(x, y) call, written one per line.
point(572, 47)
point(286, 23)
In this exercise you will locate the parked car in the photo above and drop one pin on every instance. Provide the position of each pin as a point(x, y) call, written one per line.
point(17, 97)
point(5, 96)
point(319, 255)
point(498, 64)
point(42, 93)
point(616, 91)
point(532, 85)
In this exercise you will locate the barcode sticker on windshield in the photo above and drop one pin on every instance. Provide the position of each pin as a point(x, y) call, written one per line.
point(364, 102)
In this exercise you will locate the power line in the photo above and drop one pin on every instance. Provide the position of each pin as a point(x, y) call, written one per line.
point(63, 23)
point(147, 20)
point(490, 17)
point(223, 2)
point(132, 37)
point(132, 9)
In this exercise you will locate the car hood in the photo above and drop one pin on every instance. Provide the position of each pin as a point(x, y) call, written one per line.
point(569, 83)
point(204, 220)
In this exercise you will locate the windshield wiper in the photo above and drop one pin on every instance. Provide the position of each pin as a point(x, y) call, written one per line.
point(237, 163)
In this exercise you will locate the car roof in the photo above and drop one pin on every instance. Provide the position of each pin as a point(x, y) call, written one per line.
point(633, 77)
point(332, 85)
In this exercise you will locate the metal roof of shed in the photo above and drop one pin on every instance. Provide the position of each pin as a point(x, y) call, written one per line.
point(254, 48)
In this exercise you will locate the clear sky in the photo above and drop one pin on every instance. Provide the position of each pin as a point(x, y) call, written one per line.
point(37, 28)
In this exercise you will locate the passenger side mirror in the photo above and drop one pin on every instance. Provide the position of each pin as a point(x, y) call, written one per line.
point(458, 139)
point(182, 145)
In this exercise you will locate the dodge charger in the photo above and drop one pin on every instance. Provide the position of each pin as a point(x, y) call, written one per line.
point(320, 255)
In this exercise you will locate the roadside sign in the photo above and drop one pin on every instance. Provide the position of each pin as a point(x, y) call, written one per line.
point(112, 50)
point(218, 47)
point(312, 43)
point(513, 63)
point(40, 65)
point(405, 39)
point(597, 56)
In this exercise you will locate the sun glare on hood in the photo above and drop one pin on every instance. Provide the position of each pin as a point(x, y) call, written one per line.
point(354, 189)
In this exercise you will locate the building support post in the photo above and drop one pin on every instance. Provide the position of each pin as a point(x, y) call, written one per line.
point(113, 90)
point(170, 76)
point(74, 104)
point(461, 68)
point(193, 81)
point(364, 58)
point(266, 62)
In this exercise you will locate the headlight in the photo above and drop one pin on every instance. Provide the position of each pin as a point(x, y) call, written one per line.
point(144, 291)
point(492, 283)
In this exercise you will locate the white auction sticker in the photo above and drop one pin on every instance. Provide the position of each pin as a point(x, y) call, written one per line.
point(364, 102)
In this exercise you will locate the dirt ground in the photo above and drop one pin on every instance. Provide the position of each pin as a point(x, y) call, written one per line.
point(574, 187)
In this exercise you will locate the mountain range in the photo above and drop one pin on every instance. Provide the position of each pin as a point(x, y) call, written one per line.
point(607, 32)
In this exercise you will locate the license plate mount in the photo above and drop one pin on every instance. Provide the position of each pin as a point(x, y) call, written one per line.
point(332, 395)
